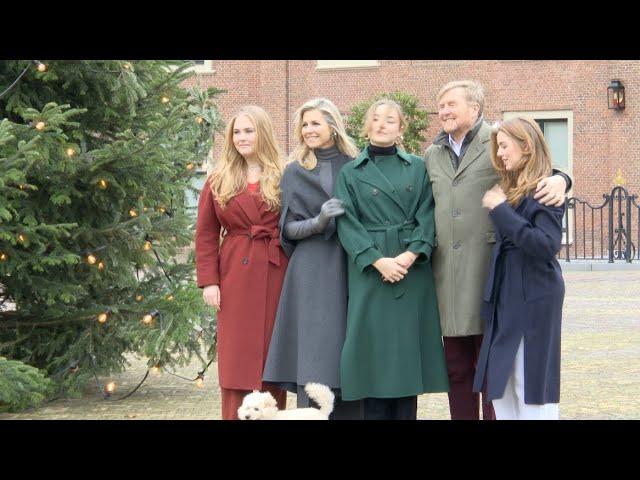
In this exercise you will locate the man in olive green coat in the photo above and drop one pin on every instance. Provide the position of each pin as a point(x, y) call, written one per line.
point(459, 166)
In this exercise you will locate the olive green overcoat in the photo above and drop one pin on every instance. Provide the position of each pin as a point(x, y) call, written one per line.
point(464, 232)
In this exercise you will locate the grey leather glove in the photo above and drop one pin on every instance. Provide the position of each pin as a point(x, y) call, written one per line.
point(316, 225)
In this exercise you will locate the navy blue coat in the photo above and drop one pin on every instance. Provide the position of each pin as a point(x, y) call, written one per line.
point(523, 298)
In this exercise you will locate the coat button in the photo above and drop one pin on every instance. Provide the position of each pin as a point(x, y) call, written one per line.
point(409, 188)
point(455, 182)
point(456, 245)
point(245, 261)
point(374, 191)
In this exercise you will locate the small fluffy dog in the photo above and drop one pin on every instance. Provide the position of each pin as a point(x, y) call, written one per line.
point(262, 406)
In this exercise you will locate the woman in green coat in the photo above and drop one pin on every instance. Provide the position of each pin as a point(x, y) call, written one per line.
point(393, 347)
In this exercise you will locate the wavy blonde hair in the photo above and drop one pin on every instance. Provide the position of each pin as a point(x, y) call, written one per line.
point(368, 118)
point(229, 175)
point(534, 165)
point(302, 153)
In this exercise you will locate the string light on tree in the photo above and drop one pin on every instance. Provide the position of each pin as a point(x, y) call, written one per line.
point(70, 152)
point(41, 67)
point(200, 379)
point(103, 184)
point(133, 213)
point(156, 369)
point(147, 246)
point(40, 125)
point(3, 257)
point(22, 238)
point(189, 166)
point(104, 316)
point(91, 259)
point(199, 120)
point(170, 297)
point(109, 388)
point(101, 265)
point(165, 99)
point(148, 318)
point(127, 66)
point(139, 298)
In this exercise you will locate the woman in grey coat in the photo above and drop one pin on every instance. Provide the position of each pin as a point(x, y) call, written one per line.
point(311, 320)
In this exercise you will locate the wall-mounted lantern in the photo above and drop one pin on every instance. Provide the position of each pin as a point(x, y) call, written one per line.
point(615, 95)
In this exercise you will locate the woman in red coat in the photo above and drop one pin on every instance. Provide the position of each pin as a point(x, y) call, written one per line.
point(242, 275)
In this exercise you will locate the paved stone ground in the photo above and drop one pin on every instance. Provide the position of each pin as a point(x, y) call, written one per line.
point(600, 367)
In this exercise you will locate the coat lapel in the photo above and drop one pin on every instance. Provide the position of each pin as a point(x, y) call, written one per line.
point(371, 175)
point(249, 207)
point(476, 148)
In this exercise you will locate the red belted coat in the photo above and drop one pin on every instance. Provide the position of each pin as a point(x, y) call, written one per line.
point(249, 267)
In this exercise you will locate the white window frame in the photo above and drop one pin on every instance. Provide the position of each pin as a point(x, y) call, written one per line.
point(206, 68)
point(554, 115)
point(345, 64)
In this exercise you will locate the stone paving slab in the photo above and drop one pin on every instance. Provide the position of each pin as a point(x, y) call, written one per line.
point(600, 367)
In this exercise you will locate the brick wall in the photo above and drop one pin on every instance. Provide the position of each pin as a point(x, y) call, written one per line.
point(603, 140)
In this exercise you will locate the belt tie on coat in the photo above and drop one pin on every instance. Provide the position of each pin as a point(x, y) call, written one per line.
point(260, 232)
point(393, 244)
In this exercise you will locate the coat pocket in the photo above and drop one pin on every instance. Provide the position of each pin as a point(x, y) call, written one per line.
point(538, 281)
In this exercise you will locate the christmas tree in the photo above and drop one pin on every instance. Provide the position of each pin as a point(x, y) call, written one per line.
point(97, 160)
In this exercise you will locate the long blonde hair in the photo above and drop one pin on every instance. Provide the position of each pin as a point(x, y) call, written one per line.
point(229, 178)
point(302, 153)
point(368, 118)
point(534, 165)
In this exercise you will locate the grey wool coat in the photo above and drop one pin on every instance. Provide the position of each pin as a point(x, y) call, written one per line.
point(311, 320)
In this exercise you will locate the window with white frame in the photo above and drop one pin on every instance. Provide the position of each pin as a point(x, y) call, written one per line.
point(203, 66)
point(345, 64)
point(557, 127)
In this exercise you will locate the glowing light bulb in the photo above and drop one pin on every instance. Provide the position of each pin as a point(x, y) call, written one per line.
point(22, 238)
point(101, 265)
point(156, 369)
point(133, 213)
point(110, 387)
point(170, 297)
point(127, 66)
point(102, 318)
point(139, 298)
point(40, 125)
point(164, 99)
point(42, 67)
point(3, 257)
point(147, 245)
point(70, 152)
point(200, 382)
point(162, 209)
point(200, 120)
point(189, 166)
point(103, 184)
point(148, 317)
point(91, 259)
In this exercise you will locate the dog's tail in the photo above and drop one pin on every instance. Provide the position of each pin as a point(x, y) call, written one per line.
point(322, 395)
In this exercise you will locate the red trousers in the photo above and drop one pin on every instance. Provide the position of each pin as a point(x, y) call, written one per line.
point(232, 399)
point(461, 355)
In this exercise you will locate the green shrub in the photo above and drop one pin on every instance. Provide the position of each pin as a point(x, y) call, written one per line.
point(417, 118)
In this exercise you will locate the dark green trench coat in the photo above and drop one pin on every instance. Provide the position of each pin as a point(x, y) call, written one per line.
point(393, 346)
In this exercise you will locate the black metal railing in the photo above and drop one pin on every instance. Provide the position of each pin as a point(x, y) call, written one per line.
point(602, 232)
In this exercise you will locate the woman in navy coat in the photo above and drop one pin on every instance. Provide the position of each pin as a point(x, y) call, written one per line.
point(520, 355)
